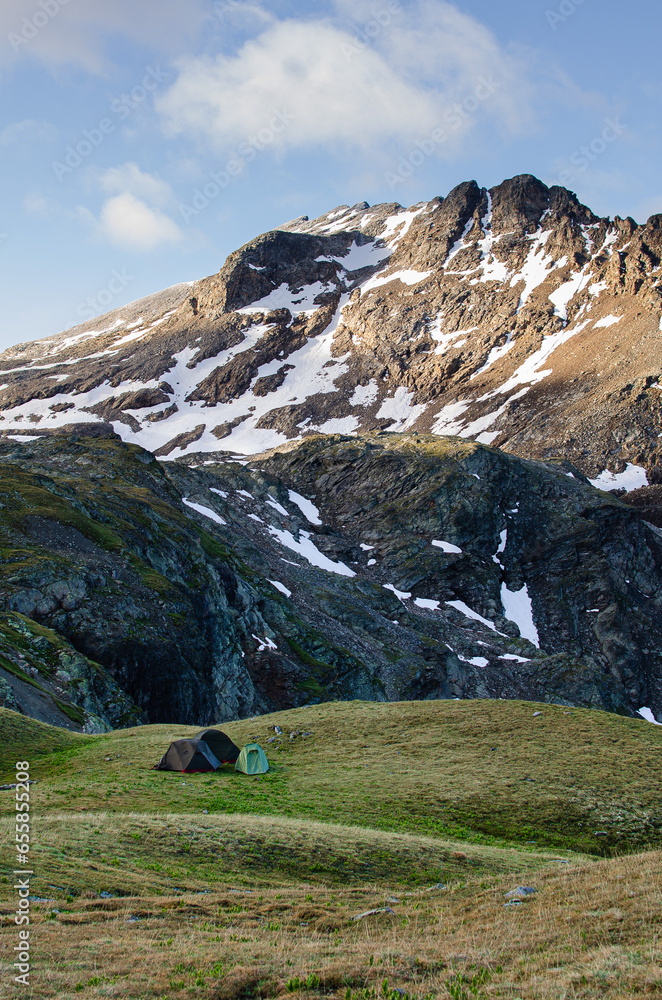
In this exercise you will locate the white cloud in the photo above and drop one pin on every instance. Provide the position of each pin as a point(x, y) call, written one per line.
point(80, 33)
point(28, 130)
point(240, 13)
point(129, 178)
point(39, 205)
point(397, 87)
point(298, 69)
point(133, 217)
point(129, 222)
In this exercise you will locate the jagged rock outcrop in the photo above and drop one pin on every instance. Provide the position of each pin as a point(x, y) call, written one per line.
point(44, 676)
point(513, 317)
point(381, 566)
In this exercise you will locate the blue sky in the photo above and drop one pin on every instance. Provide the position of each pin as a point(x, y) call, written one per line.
point(141, 141)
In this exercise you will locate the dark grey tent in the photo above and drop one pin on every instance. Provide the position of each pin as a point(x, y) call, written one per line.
point(188, 755)
point(220, 745)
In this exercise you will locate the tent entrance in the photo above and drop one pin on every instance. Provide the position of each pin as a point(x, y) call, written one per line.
point(252, 760)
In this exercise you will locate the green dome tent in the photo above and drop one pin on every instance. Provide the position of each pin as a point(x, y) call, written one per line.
point(252, 760)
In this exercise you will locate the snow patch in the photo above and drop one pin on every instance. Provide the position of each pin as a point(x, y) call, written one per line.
point(364, 395)
point(265, 643)
point(358, 257)
point(336, 425)
point(424, 602)
point(528, 371)
point(536, 267)
point(517, 608)
point(277, 506)
point(446, 340)
point(401, 221)
point(205, 511)
point(633, 477)
point(399, 407)
point(503, 539)
point(306, 548)
point(493, 269)
point(608, 321)
point(494, 355)
point(447, 420)
point(307, 508)
point(469, 613)
point(407, 277)
point(281, 586)
point(646, 714)
point(445, 546)
point(563, 295)
point(477, 661)
point(283, 297)
point(459, 244)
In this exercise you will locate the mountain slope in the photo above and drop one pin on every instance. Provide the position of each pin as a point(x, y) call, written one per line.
point(383, 567)
point(513, 317)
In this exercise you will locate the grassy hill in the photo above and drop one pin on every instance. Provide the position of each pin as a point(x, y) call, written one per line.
point(485, 771)
point(230, 887)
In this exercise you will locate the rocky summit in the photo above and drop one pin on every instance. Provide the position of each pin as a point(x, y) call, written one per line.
point(358, 462)
point(513, 317)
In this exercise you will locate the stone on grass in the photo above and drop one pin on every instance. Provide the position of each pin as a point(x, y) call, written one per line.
point(373, 913)
point(520, 893)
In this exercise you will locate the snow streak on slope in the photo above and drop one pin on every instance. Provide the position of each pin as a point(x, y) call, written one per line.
point(492, 268)
point(536, 268)
point(309, 376)
point(395, 266)
point(518, 609)
point(300, 301)
point(305, 547)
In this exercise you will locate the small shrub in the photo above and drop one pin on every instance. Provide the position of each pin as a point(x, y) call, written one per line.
point(456, 985)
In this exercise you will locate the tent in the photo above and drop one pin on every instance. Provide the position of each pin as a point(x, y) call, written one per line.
point(188, 755)
point(220, 745)
point(252, 760)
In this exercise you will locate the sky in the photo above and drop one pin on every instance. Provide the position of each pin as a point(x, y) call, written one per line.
point(142, 141)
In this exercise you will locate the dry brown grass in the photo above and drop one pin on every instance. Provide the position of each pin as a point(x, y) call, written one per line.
point(132, 853)
point(589, 932)
point(396, 788)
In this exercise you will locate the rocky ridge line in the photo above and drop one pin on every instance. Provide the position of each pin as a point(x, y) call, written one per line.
point(513, 317)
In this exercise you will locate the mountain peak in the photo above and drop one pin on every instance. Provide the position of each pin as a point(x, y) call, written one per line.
point(511, 316)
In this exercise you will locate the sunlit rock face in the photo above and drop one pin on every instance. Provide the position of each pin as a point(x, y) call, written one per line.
point(512, 317)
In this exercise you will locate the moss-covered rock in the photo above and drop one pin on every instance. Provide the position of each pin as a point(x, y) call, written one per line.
point(196, 593)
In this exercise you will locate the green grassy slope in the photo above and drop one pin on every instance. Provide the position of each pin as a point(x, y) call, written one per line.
point(482, 771)
point(132, 854)
point(23, 738)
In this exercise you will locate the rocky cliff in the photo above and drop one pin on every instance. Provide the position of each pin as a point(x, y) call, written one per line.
point(240, 494)
point(379, 566)
point(513, 317)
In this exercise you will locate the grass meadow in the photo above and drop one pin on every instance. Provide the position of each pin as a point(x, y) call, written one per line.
point(162, 885)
